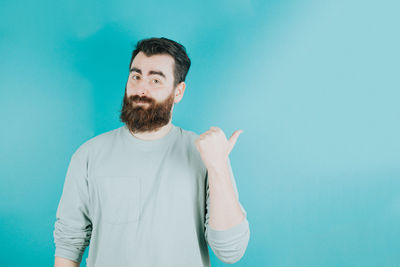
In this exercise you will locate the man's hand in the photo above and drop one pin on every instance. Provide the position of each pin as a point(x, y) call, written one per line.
point(214, 148)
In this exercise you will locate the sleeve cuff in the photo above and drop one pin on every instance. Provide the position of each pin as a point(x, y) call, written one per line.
point(230, 233)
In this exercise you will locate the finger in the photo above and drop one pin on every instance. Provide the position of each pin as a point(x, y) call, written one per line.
point(233, 139)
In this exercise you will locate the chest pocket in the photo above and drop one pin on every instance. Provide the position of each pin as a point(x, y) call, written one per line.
point(119, 199)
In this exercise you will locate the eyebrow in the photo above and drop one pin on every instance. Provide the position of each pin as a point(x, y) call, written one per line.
point(151, 72)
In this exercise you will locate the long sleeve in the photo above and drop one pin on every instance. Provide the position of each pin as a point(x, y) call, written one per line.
point(73, 228)
point(228, 245)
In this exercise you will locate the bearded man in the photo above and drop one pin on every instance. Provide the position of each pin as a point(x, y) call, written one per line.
point(150, 193)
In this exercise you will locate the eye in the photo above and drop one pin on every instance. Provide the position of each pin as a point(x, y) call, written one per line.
point(135, 77)
point(156, 81)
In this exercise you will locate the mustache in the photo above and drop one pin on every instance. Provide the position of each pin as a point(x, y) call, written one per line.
point(137, 98)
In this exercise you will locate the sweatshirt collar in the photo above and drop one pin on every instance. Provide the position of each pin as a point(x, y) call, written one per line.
point(150, 144)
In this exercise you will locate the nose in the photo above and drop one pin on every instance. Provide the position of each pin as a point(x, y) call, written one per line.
point(142, 88)
point(141, 91)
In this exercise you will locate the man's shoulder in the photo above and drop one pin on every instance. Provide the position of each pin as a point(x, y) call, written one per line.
point(96, 141)
point(191, 135)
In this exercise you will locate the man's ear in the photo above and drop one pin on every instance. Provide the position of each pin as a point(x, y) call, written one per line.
point(179, 91)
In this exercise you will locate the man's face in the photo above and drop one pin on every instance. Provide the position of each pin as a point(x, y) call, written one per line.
point(149, 93)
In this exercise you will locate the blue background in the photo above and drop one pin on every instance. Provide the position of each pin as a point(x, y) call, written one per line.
point(314, 85)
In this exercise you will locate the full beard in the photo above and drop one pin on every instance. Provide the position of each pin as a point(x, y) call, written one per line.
point(145, 117)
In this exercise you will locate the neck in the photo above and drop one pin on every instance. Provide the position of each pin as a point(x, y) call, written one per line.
point(155, 134)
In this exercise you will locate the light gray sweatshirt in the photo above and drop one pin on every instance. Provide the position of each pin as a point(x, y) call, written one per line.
point(141, 203)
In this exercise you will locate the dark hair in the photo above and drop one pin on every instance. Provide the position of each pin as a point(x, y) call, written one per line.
point(156, 46)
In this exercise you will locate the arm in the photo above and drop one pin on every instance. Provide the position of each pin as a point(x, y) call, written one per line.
point(227, 229)
point(228, 233)
point(61, 262)
point(73, 228)
point(225, 211)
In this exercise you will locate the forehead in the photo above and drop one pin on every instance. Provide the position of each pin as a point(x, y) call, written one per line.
point(162, 62)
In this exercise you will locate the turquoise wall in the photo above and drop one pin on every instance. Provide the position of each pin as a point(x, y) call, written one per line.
point(314, 85)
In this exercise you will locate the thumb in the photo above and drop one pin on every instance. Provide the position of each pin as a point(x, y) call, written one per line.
point(232, 140)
